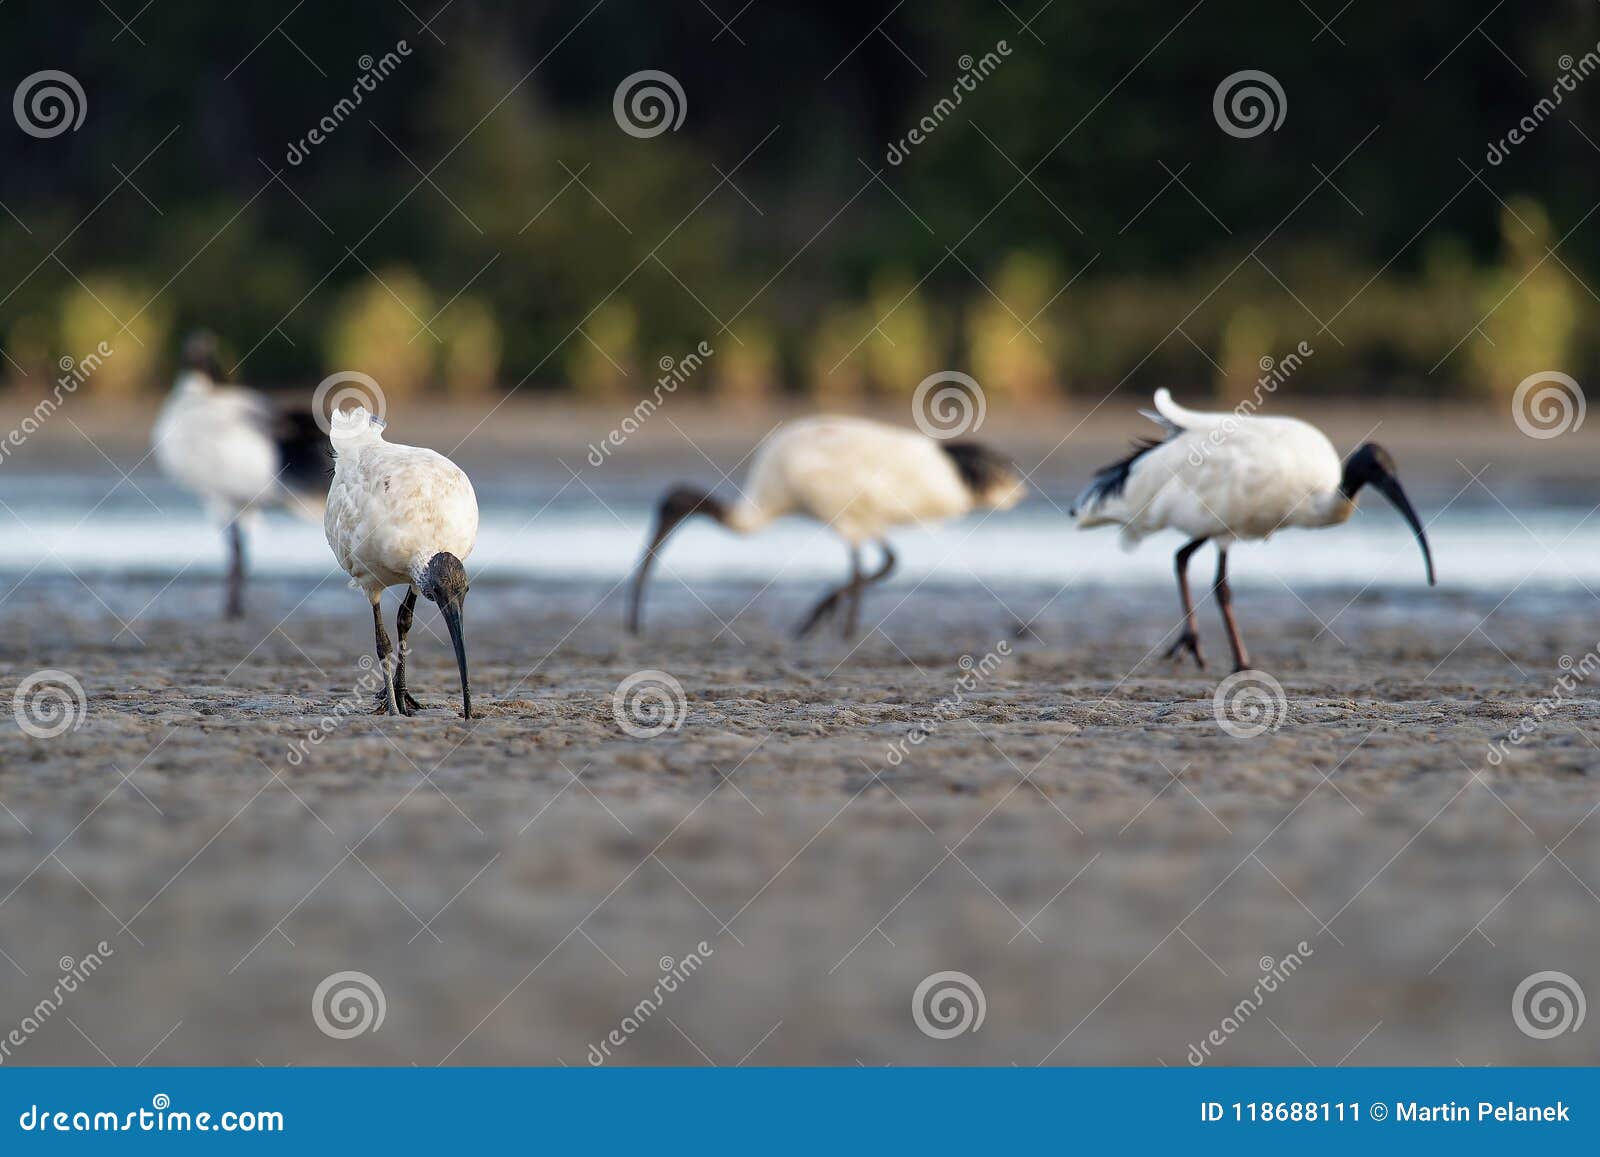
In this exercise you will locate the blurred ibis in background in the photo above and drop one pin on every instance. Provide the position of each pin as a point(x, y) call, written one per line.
point(857, 477)
point(238, 452)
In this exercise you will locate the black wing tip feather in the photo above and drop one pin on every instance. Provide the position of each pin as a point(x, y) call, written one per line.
point(978, 465)
point(304, 450)
point(1109, 481)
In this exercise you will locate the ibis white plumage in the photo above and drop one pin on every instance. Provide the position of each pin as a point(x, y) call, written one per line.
point(401, 516)
point(1225, 477)
point(858, 477)
point(237, 452)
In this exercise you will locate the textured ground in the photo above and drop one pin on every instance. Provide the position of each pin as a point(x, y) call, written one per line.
point(1079, 835)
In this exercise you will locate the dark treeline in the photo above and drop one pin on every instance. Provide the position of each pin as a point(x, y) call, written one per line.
point(480, 218)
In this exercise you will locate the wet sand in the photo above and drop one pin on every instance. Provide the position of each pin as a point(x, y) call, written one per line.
point(1078, 834)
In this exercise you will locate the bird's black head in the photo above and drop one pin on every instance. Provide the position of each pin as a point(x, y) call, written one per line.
point(987, 474)
point(682, 501)
point(200, 354)
point(1372, 465)
point(445, 579)
point(677, 504)
point(1368, 464)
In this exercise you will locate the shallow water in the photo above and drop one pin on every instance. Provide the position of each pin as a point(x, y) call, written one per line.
point(534, 528)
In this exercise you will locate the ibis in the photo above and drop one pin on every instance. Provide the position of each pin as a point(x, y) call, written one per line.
point(1223, 478)
point(238, 452)
point(860, 478)
point(401, 516)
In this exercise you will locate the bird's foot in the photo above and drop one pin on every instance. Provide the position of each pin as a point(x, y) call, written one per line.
point(404, 704)
point(1188, 641)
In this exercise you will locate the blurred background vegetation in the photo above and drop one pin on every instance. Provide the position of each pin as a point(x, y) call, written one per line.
point(1080, 222)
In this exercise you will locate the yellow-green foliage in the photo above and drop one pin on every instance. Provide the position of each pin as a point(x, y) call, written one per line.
point(747, 373)
point(835, 366)
point(902, 350)
point(472, 344)
point(1015, 358)
point(1246, 339)
point(1535, 306)
point(90, 315)
point(377, 328)
point(602, 356)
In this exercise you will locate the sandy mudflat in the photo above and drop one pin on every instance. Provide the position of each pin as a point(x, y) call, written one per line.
point(1080, 836)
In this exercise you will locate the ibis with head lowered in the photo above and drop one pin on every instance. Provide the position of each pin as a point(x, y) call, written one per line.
point(401, 516)
point(860, 478)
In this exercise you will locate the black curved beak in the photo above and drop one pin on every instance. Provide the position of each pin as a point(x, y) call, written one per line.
point(1395, 493)
point(452, 619)
point(666, 522)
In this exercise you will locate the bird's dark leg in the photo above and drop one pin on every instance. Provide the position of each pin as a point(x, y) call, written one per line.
point(386, 701)
point(851, 592)
point(862, 582)
point(829, 602)
point(852, 596)
point(1241, 660)
point(402, 623)
point(234, 608)
point(1190, 639)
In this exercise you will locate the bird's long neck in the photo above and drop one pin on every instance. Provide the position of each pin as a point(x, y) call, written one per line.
point(743, 516)
point(1331, 509)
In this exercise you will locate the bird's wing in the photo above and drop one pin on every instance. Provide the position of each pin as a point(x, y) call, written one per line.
point(863, 477)
point(399, 501)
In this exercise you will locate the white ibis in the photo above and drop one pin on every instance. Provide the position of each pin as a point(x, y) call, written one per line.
point(237, 452)
point(401, 516)
point(855, 476)
point(1225, 477)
